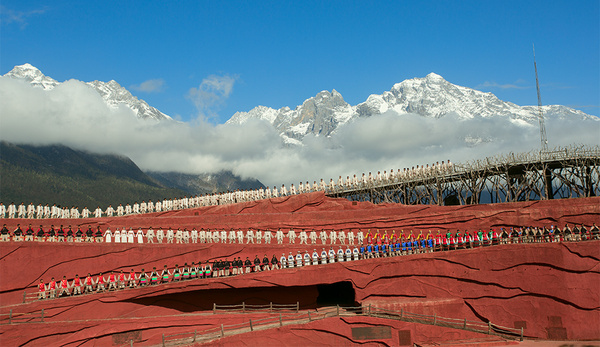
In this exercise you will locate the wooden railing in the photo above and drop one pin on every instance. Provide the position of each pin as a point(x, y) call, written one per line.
point(17, 318)
point(297, 317)
point(271, 307)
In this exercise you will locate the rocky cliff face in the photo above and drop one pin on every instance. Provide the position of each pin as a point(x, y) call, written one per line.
point(549, 289)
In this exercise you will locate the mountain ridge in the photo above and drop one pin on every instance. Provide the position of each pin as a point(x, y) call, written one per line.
point(431, 96)
point(111, 92)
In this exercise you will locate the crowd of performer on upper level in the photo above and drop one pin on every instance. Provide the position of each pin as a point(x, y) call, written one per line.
point(32, 211)
point(370, 246)
point(62, 234)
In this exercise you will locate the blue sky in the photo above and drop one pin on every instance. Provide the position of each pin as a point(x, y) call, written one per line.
point(217, 57)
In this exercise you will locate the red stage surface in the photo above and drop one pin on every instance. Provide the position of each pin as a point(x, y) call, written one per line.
point(550, 289)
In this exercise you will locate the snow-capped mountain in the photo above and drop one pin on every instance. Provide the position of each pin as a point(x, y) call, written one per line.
point(431, 96)
point(112, 93)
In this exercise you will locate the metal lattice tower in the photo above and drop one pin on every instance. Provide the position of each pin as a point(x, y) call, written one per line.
point(541, 114)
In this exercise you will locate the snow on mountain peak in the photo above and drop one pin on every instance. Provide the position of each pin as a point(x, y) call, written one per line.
point(431, 96)
point(434, 77)
point(32, 75)
point(112, 92)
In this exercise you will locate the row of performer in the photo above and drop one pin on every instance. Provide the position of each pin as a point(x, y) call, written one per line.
point(237, 266)
point(251, 236)
point(149, 235)
point(40, 211)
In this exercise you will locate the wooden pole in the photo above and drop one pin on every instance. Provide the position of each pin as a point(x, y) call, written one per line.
point(163, 339)
point(338, 309)
point(521, 334)
point(251, 329)
point(10, 316)
point(214, 308)
point(244, 307)
point(195, 333)
point(222, 331)
point(489, 327)
point(42, 315)
point(297, 306)
point(309, 316)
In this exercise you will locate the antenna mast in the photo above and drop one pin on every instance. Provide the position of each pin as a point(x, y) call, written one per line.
point(541, 115)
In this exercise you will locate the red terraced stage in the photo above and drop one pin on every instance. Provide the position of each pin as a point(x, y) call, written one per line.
point(550, 289)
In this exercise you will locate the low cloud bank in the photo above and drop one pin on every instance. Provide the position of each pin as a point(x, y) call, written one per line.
point(75, 115)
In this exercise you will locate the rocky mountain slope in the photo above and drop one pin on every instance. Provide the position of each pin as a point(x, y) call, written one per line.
point(431, 96)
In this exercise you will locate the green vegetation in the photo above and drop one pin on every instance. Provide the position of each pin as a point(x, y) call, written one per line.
point(63, 176)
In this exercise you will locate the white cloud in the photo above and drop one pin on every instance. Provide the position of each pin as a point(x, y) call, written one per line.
point(150, 86)
point(75, 115)
point(10, 16)
point(519, 84)
point(212, 92)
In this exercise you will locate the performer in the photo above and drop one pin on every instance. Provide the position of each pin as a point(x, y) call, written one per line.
point(323, 237)
point(194, 235)
point(331, 256)
point(351, 237)
point(170, 235)
point(130, 235)
point(323, 256)
point(108, 235)
point(249, 236)
point(265, 263)
point(63, 287)
point(283, 261)
point(143, 279)
point(88, 283)
point(274, 263)
point(165, 275)
point(291, 235)
point(140, 235)
point(279, 236)
point(52, 288)
point(121, 279)
point(332, 236)
point(178, 236)
point(18, 233)
point(132, 279)
point(4, 234)
point(342, 237)
point(248, 265)
point(303, 237)
point(306, 258)
point(76, 285)
point(100, 283)
point(315, 257)
point(40, 234)
point(41, 288)
point(160, 235)
point(29, 233)
point(150, 235)
point(267, 236)
point(313, 237)
point(112, 281)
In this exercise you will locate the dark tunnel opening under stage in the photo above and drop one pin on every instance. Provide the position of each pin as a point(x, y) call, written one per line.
point(308, 297)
